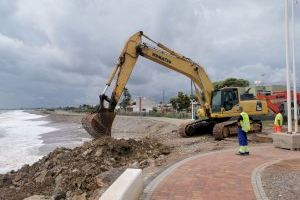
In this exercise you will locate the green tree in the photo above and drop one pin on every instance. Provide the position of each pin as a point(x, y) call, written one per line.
point(181, 102)
point(193, 97)
point(231, 82)
point(126, 99)
point(173, 102)
point(218, 84)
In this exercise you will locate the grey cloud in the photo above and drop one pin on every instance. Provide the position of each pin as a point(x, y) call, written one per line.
point(62, 52)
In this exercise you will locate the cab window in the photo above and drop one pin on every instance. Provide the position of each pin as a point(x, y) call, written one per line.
point(230, 99)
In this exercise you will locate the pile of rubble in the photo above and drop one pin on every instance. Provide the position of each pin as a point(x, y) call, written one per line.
point(80, 173)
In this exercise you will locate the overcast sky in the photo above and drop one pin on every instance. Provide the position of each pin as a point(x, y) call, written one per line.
point(60, 52)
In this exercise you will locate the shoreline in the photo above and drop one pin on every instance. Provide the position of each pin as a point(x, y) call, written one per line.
point(70, 133)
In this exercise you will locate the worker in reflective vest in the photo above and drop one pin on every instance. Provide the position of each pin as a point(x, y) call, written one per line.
point(278, 121)
point(243, 128)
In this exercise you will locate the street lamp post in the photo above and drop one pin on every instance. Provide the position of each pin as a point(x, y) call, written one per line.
point(287, 68)
point(294, 70)
point(288, 141)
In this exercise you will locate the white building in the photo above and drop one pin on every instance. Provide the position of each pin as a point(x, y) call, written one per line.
point(142, 104)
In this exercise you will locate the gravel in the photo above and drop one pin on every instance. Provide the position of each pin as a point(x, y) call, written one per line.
point(282, 180)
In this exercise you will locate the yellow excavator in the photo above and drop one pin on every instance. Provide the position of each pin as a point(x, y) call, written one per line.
point(219, 108)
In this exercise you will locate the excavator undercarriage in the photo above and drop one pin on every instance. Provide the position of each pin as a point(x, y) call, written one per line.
point(220, 129)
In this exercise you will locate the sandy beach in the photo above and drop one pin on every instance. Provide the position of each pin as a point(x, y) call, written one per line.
point(70, 133)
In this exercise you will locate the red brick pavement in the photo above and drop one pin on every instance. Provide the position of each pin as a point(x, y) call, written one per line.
point(221, 175)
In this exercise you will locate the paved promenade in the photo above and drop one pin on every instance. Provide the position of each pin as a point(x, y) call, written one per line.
point(217, 175)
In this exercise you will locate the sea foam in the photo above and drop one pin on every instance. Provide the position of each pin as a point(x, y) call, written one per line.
point(20, 139)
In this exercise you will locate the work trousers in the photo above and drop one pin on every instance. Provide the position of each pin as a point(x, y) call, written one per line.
point(277, 129)
point(243, 141)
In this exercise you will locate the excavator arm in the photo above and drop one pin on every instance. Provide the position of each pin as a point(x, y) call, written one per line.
point(100, 122)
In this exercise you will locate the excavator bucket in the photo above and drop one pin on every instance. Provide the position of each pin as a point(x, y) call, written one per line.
point(99, 124)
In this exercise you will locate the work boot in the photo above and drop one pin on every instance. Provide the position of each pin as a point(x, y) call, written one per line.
point(240, 153)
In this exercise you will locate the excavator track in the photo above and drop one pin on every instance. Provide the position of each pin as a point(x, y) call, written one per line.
point(220, 130)
point(197, 127)
point(225, 129)
point(228, 128)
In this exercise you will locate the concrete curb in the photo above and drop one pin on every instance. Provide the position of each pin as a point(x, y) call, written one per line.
point(256, 180)
point(128, 186)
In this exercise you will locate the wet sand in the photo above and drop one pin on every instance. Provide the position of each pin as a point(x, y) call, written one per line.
point(70, 133)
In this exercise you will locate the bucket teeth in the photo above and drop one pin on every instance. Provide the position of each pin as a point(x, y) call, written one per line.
point(98, 124)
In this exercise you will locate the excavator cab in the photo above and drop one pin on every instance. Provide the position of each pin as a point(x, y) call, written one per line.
point(224, 99)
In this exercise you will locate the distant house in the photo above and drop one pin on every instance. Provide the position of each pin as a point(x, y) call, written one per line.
point(267, 89)
point(166, 107)
point(142, 104)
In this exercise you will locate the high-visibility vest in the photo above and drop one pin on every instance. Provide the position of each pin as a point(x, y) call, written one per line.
point(278, 118)
point(245, 124)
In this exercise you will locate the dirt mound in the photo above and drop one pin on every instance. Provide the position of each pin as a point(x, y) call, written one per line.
point(80, 173)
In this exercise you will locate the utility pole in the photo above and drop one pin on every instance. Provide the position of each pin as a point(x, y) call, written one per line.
point(192, 92)
point(287, 55)
point(163, 97)
point(193, 117)
point(140, 105)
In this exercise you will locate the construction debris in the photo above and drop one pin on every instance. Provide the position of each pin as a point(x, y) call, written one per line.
point(80, 173)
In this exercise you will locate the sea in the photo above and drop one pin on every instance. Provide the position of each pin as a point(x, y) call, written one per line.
point(20, 138)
